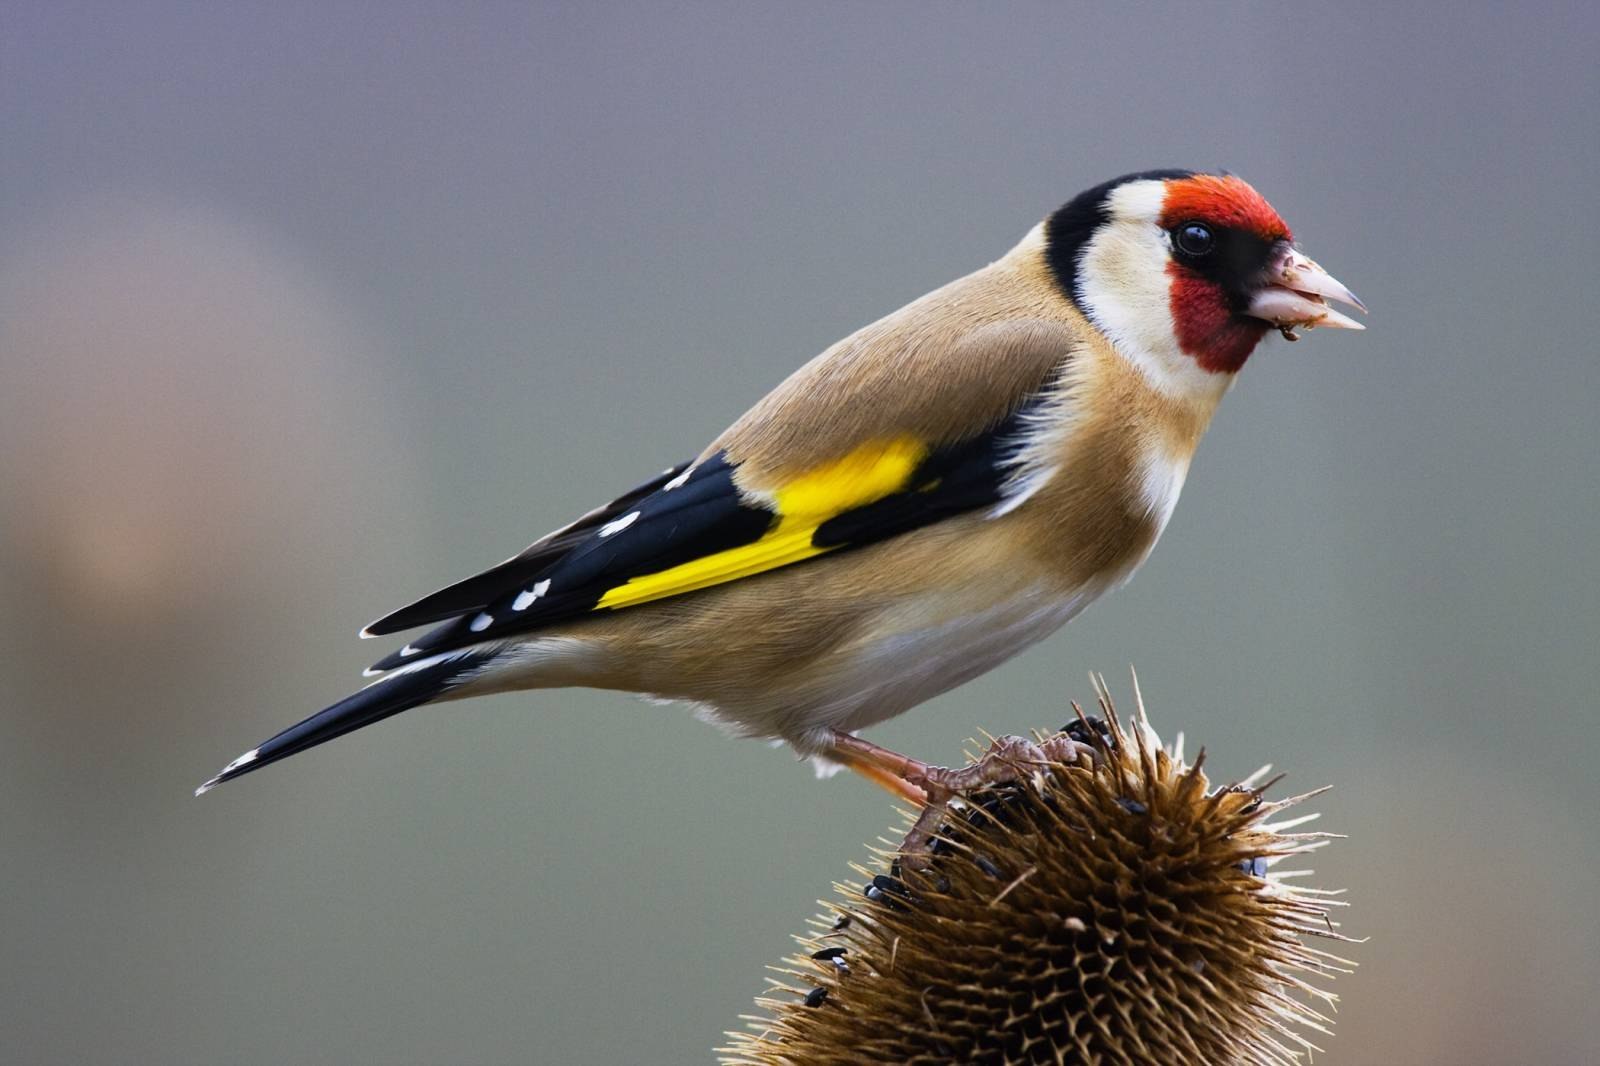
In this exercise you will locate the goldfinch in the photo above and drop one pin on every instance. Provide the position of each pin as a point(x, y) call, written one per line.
point(917, 504)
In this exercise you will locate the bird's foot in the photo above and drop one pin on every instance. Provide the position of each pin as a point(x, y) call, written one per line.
point(1008, 760)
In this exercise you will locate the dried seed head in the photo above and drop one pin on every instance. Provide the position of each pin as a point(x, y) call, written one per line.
point(1125, 913)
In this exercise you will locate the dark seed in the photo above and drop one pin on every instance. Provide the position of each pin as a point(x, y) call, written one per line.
point(998, 804)
point(829, 953)
point(841, 922)
point(888, 891)
point(1000, 807)
point(1092, 731)
point(1132, 806)
point(891, 884)
point(986, 866)
point(816, 997)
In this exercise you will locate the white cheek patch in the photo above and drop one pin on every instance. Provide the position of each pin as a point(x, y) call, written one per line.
point(1126, 291)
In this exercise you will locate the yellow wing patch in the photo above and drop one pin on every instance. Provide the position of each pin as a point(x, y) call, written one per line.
point(868, 473)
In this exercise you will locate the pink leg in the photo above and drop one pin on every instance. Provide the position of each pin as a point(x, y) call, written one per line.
point(894, 772)
point(932, 787)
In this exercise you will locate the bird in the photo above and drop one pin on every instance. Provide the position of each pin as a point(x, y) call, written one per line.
point(926, 498)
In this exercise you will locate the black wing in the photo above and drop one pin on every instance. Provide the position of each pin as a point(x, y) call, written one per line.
point(702, 518)
point(478, 590)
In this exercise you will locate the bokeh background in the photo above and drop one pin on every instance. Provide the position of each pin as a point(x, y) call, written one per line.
point(306, 309)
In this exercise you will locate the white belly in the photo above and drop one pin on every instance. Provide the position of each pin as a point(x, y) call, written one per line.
point(915, 653)
point(899, 671)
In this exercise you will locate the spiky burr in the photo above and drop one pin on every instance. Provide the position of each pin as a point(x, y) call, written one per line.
point(1118, 909)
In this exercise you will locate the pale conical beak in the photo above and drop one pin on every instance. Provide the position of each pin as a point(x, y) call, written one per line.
point(1296, 296)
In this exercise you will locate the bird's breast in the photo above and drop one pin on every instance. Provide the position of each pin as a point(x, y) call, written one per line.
point(1081, 540)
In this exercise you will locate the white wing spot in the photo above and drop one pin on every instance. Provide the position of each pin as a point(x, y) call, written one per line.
point(482, 622)
point(408, 650)
point(526, 597)
point(620, 524)
point(679, 480)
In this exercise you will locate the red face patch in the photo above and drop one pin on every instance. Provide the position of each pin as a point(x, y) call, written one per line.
point(1222, 201)
point(1207, 329)
point(1203, 317)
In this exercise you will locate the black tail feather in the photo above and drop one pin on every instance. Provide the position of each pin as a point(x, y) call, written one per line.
point(374, 703)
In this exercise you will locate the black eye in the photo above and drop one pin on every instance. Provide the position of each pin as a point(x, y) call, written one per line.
point(1193, 239)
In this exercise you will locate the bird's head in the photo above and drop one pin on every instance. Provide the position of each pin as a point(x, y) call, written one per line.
point(1185, 273)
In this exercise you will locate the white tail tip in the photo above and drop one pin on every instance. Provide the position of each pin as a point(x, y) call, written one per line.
point(244, 760)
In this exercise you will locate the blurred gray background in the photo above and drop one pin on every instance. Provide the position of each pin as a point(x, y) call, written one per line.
point(308, 309)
